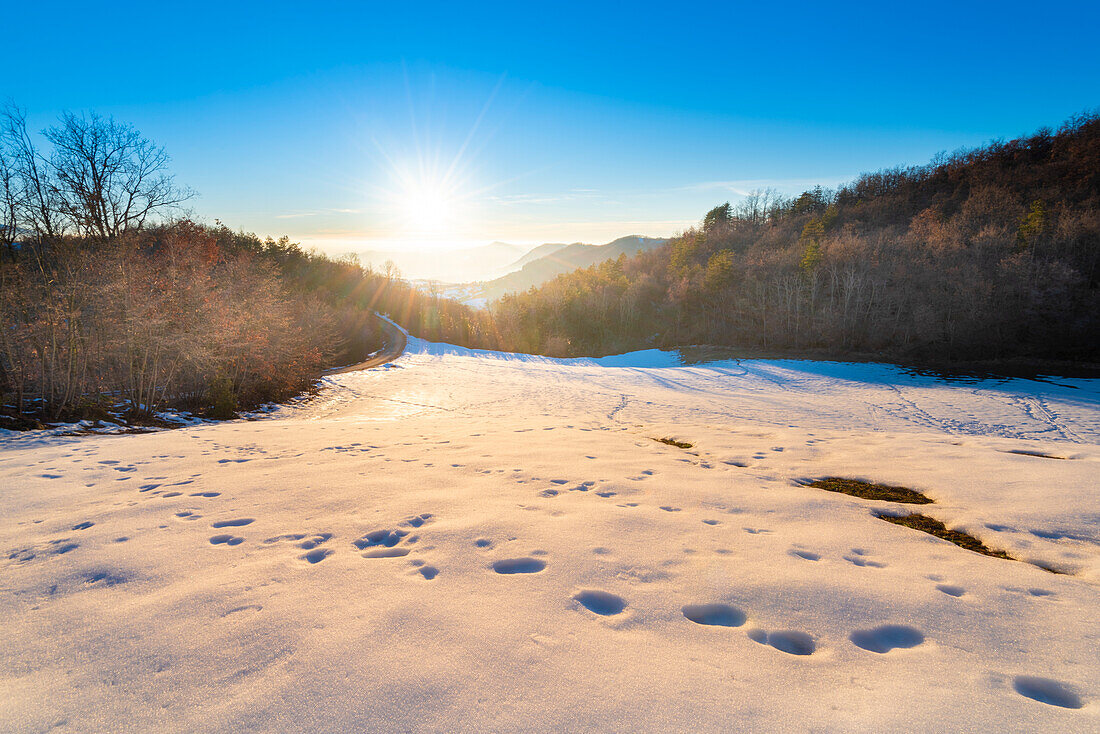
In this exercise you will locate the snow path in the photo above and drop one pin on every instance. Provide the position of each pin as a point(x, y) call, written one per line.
point(473, 541)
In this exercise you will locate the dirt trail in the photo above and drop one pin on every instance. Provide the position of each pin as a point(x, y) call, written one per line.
point(394, 345)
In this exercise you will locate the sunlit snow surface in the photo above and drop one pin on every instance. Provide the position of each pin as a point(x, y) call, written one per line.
point(473, 541)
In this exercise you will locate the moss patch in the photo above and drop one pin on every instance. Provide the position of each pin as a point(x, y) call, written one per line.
point(674, 442)
point(868, 491)
point(933, 526)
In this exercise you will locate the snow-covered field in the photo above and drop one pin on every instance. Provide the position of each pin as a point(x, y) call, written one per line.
point(468, 541)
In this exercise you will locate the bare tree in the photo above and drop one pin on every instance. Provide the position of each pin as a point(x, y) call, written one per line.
point(10, 203)
point(109, 179)
point(34, 188)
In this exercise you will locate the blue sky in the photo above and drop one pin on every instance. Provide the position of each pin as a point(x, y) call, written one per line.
point(341, 125)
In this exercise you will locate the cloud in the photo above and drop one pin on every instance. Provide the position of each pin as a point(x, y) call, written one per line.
point(317, 213)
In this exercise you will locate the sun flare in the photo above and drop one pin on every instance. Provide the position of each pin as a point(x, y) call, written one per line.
point(427, 206)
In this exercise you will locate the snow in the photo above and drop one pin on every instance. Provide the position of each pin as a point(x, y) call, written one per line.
point(475, 541)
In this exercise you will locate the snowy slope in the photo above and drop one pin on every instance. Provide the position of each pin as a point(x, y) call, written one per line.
point(338, 568)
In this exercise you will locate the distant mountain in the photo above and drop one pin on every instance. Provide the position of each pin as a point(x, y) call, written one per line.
point(541, 251)
point(564, 259)
point(449, 266)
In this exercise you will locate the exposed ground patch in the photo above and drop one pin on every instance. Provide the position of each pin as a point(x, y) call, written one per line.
point(674, 442)
point(932, 526)
point(869, 491)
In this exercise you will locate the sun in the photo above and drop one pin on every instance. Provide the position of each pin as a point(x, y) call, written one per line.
point(427, 206)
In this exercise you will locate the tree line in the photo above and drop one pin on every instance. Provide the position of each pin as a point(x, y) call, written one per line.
point(112, 301)
point(989, 254)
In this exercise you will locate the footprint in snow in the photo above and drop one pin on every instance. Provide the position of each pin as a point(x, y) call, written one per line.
point(240, 522)
point(805, 555)
point(83, 525)
point(382, 543)
point(314, 541)
point(599, 602)
point(226, 539)
point(669, 508)
point(317, 555)
point(1047, 690)
point(887, 637)
point(791, 642)
point(951, 590)
point(519, 565)
point(722, 615)
point(858, 557)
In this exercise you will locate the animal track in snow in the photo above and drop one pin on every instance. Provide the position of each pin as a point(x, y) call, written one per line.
point(104, 578)
point(289, 536)
point(57, 547)
point(519, 565)
point(226, 539)
point(205, 494)
point(314, 541)
point(428, 572)
point(712, 522)
point(858, 558)
point(387, 538)
point(805, 554)
point(599, 602)
point(83, 525)
point(887, 637)
point(722, 615)
point(382, 543)
point(669, 508)
point(951, 590)
point(1047, 690)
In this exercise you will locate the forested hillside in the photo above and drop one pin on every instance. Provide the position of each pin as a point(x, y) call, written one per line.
point(986, 254)
point(565, 259)
point(112, 303)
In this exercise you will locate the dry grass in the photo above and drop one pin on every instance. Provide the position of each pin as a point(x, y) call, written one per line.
point(674, 442)
point(868, 491)
point(933, 526)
